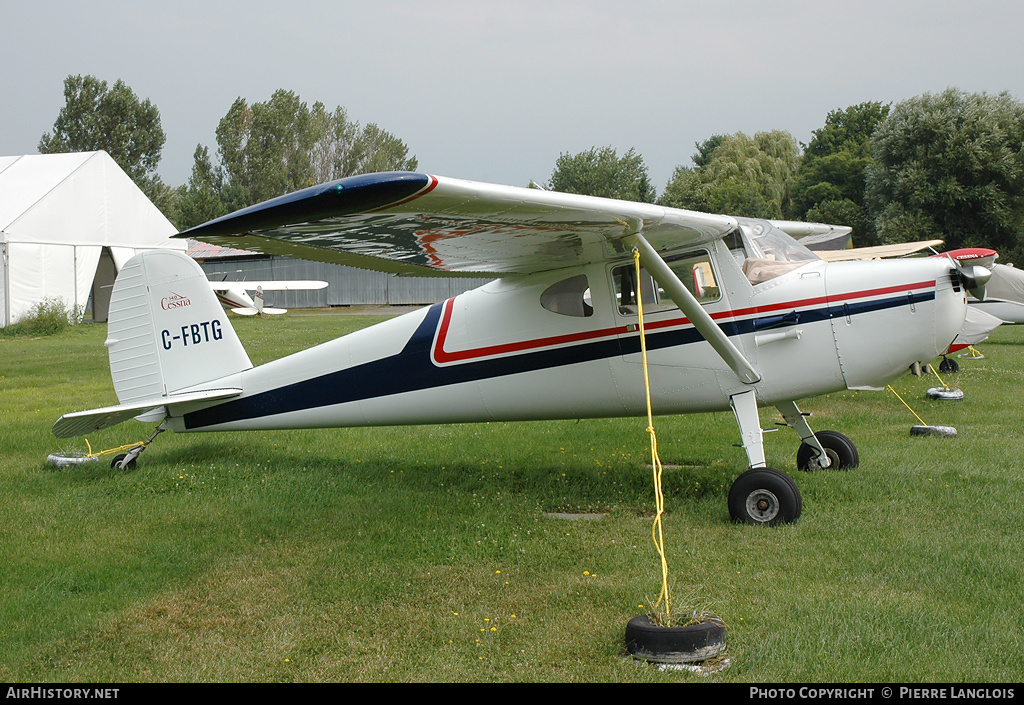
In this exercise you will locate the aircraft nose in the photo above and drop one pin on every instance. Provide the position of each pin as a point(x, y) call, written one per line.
point(889, 314)
point(951, 302)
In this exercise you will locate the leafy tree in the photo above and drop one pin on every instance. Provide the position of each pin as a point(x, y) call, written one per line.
point(199, 199)
point(271, 148)
point(113, 119)
point(264, 149)
point(335, 147)
point(601, 172)
point(950, 166)
point(379, 150)
point(739, 175)
point(847, 130)
point(706, 149)
point(830, 181)
point(685, 190)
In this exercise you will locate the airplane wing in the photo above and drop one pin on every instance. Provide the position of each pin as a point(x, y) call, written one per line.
point(298, 285)
point(901, 249)
point(419, 224)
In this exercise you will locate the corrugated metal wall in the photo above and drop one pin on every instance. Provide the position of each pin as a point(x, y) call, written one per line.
point(346, 286)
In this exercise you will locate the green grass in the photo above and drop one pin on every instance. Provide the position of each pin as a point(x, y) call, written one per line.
point(427, 553)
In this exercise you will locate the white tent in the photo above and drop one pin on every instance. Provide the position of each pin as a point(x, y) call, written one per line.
point(67, 224)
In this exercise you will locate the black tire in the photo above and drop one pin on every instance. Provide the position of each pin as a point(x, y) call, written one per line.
point(765, 497)
point(117, 461)
point(839, 448)
point(689, 644)
point(949, 366)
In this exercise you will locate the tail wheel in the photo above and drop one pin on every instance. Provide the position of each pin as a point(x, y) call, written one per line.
point(116, 462)
point(840, 449)
point(764, 496)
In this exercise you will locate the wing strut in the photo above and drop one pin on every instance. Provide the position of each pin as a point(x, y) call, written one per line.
point(700, 319)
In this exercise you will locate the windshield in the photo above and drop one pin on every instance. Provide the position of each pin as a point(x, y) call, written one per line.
point(765, 252)
point(768, 242)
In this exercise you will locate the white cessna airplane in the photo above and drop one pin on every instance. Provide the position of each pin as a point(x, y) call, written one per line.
point(234, 294)
point(737, 314)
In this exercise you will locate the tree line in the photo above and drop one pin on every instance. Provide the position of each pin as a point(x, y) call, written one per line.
point(948, 165)
point(263, 150)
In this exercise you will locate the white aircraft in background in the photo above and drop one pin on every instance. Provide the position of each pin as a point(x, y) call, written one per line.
point(234, 294)
point(737, 314)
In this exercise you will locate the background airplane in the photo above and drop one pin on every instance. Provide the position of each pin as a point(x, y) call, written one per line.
point(901, 249)
point(234, 294)
point(557, 334)
point(1004, 292)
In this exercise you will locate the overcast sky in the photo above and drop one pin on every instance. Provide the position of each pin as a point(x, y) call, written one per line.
point(496, 91)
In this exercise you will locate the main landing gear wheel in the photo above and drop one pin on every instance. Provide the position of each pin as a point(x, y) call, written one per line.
point(840, 450)
point(764, 496)
point(949, 366)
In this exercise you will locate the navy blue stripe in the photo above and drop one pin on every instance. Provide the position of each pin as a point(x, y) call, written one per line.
point(412, 369)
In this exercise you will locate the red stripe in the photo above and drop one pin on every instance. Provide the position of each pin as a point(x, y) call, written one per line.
point(422, 192)
point(442, 356)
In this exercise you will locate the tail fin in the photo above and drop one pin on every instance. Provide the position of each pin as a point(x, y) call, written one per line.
point(167, 332)
point(169, 343)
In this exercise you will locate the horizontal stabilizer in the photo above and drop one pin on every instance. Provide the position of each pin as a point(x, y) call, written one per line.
point(80, 423)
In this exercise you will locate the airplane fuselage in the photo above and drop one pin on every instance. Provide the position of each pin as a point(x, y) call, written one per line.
point(735, 314)
point(566, 344)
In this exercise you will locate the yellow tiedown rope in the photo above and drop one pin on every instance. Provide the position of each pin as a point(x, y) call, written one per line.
point(889, 387)
point(109, 451)
point(659, 498)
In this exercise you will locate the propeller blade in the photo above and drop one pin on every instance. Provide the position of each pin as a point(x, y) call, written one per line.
point(975, 278)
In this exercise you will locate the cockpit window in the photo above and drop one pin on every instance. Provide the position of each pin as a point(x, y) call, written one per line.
point(765, 252)
point(693, 269)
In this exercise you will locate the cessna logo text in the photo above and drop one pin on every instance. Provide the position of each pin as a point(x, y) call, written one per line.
point(174, 301)
point(192, 334)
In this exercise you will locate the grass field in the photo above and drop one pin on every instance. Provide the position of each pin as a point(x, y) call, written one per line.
point(429, 553)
